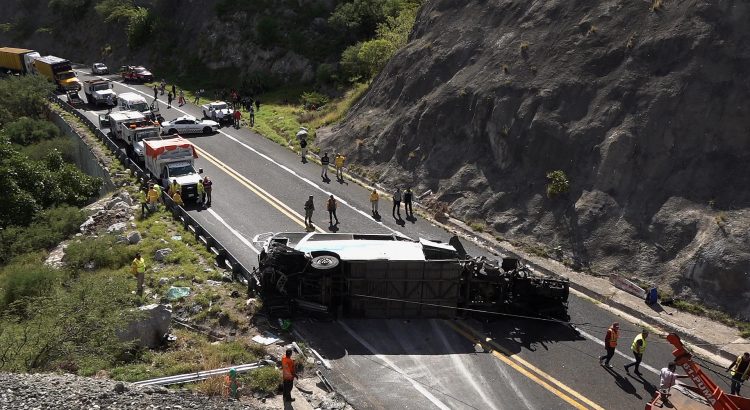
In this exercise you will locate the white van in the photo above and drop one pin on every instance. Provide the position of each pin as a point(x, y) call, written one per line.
point(133, 102)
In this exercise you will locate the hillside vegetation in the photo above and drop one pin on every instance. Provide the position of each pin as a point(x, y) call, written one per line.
point(612, 136)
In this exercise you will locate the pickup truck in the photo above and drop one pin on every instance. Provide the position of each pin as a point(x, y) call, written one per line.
point(135, 74)
point(218, 111)
point(173, 159)
point(99, 92)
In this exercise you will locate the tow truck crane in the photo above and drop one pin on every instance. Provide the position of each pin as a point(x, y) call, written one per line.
point(712, 395)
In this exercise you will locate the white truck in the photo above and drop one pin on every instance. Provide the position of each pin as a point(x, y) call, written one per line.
point(99, 92)
point(136, 102)
point(218, 111)
point(135, 133)
point(115, 119)
point(174, 159)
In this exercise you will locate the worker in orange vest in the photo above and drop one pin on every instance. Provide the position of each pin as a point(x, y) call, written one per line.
point(610, 343)
point(288, 373)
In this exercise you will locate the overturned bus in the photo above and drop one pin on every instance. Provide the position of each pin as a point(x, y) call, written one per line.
point(390, 276)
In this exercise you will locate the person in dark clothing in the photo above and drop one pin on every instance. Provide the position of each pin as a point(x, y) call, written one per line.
point(408, 195)
point(638, 347)
point(156, 92)
point(740, 371)
point(397, 204)
point(207, 186)
point(170, 96)
point(331, 206)
point(324, 161)
point(174, 90)
point(309, 208)
point(257, 104)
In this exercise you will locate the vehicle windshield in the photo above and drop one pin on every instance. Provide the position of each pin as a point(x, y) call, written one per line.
point(220, 106)
point(99, 65)
point(142, 135)
point(139, 106)
point(178, 170)
point(101, 87)
point(66, 75)
point(140, 70)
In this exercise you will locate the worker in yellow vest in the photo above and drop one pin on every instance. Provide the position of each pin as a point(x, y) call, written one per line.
point(138, 268)
point(174, 187)
point(638, 347)
point(740, 371)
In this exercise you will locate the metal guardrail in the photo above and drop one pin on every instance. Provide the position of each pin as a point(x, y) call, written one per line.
point(203, 375)
point(224, 257)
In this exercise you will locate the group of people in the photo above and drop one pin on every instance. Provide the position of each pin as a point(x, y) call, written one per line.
point(332, 205)
point(153, 195)
point(325, 162)
point(739, 369)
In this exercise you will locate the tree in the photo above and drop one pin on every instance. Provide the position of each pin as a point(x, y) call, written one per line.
point(374, 54)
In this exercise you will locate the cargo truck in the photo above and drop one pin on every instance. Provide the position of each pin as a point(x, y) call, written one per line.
point(59, 71)
point(173, 159)
point(114, 119)
point(135, 133)
point(99, 92)
point(17, 60)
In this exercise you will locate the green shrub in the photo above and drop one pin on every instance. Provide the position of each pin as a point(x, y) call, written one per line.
point(48, 229)
point(23, 96)
point(264, 380)
point(558, 183)
point(18, 281)
point(104, 252)
point(313, 99)
point(25, 131)
point(40, 150)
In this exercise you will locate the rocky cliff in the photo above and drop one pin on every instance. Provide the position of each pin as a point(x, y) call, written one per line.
point(642, 104)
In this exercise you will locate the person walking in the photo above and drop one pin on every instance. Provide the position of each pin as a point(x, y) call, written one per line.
point(374, 199)
point(331, 206)
point(170, 96)
point(338, 163)
point(138, 268)
point(288, 374)
point(303, 149)
point(181, 99)
point(638, 347)
point(156, 92)
point(408, 196)
point(397, 204)
point(309, 208)
point(610, 343)
point(201, 192)
point(324, 161)
point(237, 116)
point(740, 371)
point(208, 186)
point(668, 378)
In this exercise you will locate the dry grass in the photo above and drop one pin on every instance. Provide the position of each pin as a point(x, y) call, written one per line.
point(656, 5)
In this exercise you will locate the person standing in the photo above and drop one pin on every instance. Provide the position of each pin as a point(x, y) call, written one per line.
point(251, 112)
point(174, 90)
point(324, 161)
point(174, 187)
point(331, 206)
point(181, 99)
point(201, 192)
point(339, 165)
point(309, 208)
point(638, 347)
point(208, 186)
point(408, 196)
point(374, 199)
point(397, 204)
point(156, 92)
point(288, 374)
point(177, 199)
point(237, 116)
point(740, 371)
point(667, 379)
point(303, 149)
point(170, 96)
point(198, 96)
point(257, 104)
point(610, 343)
point(163, 86)
point(157, 188)
point(138, 268)
point(110, 102)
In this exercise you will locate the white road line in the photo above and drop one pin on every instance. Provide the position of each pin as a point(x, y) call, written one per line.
point(460, 365)
point(393, 366)
point(601, 343)
point(271, 160)
point(233, 231)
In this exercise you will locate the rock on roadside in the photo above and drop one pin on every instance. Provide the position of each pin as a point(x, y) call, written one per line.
point(68, 392)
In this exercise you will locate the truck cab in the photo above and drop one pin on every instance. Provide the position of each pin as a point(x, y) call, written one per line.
point(136, 102)
point(99, 92)
point(134, 133)
point(59, 71)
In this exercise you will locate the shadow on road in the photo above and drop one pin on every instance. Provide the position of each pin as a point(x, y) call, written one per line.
point(517, 334)
point(623, 383)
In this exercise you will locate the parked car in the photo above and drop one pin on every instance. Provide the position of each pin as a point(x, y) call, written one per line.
point(218, 111)
point(99, 69)
point(136, 74)
point(187, 124)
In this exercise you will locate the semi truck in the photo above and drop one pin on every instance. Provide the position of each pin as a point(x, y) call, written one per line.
point(59, 71)
point(17, 60)
point(173, 159)
point(99, 92)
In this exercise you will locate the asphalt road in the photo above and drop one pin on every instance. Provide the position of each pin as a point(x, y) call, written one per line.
point(261, 187)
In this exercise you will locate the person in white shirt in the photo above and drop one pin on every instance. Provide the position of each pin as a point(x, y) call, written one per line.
point(668, 378)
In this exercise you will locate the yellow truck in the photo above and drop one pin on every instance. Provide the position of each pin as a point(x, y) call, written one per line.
point(17, 60)
point(59, 71)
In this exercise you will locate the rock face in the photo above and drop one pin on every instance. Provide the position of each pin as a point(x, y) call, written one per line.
point(645, 110)
point(149, 330)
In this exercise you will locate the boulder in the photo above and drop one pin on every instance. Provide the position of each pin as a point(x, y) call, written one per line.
point(134, 237)
point(87, 224)
point(121, 206)
point(117, 227)
point(149, 328)
point(126, 198)
point(161, 254)
point(113, 202)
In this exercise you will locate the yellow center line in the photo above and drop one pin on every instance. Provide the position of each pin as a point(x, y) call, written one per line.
point(260, 192)
point(515, 362)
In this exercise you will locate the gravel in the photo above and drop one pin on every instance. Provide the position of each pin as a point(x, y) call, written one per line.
point(65, 391)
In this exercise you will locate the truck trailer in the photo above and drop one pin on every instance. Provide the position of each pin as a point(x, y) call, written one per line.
point(17, 60)
point(59, 71)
